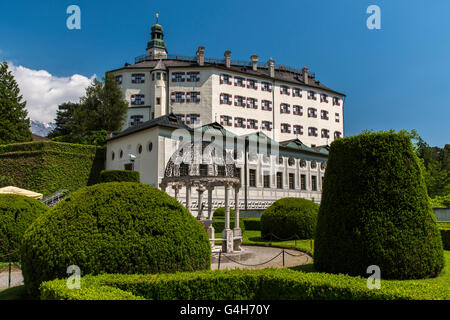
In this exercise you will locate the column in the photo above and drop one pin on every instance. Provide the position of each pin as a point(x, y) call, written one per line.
point(237, 232)
point(227, 233)
point(210, 213)
point(176, 188)
point(188, 197)
point(200, 191)
point(227, 207)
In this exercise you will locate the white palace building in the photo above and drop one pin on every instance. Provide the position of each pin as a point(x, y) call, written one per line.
point(284, 108)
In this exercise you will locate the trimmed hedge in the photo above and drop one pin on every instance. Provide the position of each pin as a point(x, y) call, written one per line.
point(119, 176)
point(375, 210)
point(219, 224)
point(263, 284)
point(47, 167)
point(290, 217)
point(252, 224)
point(445, 235)
point(17, 213)
point(220, 212)
point(117, 227)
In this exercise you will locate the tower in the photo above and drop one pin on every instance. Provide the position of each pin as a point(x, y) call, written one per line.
point(156, 47)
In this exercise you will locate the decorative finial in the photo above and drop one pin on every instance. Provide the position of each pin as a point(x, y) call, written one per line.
point(157, 16)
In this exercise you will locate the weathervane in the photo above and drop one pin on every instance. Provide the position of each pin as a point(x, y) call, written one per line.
point(157, 15)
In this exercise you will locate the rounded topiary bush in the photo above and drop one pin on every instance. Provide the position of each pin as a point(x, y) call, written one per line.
point(117, 227)
point(290, 218)
point(17, 213)
point(375, 210)
point(119, 176)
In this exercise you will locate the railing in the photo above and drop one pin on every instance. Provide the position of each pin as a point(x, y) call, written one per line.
point(222, 61)
point(54, 198)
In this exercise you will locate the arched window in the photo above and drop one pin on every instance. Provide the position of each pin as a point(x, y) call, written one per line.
point(291, 161)
point(121, 154)
point(302, 163)
point(280, 160)
point(112, 155)
point(139, 149)
point(150, 146)
point(313, 164)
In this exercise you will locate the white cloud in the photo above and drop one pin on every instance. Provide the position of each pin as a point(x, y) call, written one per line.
point(44, 91)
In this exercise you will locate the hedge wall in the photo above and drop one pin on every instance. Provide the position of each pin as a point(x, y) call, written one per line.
point(252, 224)
point(16, 215)
point(263, 284)
point(119, 176)
point(47, 167)
point(375, 210)
point(445, 235)
point(116, 227)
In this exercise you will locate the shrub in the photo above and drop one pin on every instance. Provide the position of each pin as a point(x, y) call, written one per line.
point(290, 217)
point(252, 224)
point(441, 201)
point(220, 212)
point(375, 210)
point(16, 215)
point(265, 284)
point(119, 176)
point(117, 227)
point(445, 235)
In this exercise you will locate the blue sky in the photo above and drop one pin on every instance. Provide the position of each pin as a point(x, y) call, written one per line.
point(396, 77)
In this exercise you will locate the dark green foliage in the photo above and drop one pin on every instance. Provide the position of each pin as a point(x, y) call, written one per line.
point(47, 167)
point(117, 227)
point(375, 210)
point(94, 138)
point(65, 122)
point(119, 176)
point(290, 218)
point(14, 124)
point(220, 212)
point(16, 215)
point(252, 224)
point(441, 201)
point(265, 284)
point(445, 235)
point(219, 220)
point(6, 181)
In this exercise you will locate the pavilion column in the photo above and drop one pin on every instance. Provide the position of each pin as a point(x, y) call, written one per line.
point(200, 191)
point(227, 233)
point(210, 191)
point(176, 188)
point(237, 232)
point(188, 197)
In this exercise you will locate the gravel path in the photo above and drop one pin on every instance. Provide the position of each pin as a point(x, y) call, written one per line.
point(257, 257)
point(16, 278)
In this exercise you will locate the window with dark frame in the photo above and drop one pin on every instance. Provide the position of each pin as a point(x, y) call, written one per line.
point(291, 181)
point(303, 181)
point(314, 183)
point(279, 180)
point(252, 176)
point(266, 181)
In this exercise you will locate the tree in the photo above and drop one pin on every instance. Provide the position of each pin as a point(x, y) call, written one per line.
point(103, 107)
point(14, 124)
point(65, 122)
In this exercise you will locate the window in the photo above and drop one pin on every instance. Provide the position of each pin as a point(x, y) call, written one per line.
point(336, 115)
point(225, 98)
point(149, 147)
point(337, 134)
point(121, 154)
point(252, 124)
point(136, 119)
point(221, 171)
point(139, 149)
point(325, 133)
point(298, 110)
point(291, 181)
point(113, 155)
point(312, 132)
point(203, 169)
point(303, 181)
point(336, 101)
point(285, 108)
point(252, 103)
point(193, 76)
point(324, 98)
point(324, 114)
point(279, 180)
point(158, 101)
point(239, 101)
point(280, 160)
point(313, 164)
point(158, 76)
point(291, 161)
point(238, 174)
point(178, 76)
point(302, 163)
point(296, 92)
point(239, 122)
point(128, 166)
point(193, 97)
point(192, 118)
point(266, 105)
point(179, 97)
point(239, 82)
point(266, 86)
point(312, 95)
point(285, 128)
point(312, 113)
point(137, 78)
point(252, 84)
point(314, 183)
point(184, 170)
point(225, 79)
point(252, 180)
point(137, 99)
point(267, 125)
point(266, 181)
point(284, 90)
point(226, 121)
point(180, 117)
point(119, 79)
point(298, 129)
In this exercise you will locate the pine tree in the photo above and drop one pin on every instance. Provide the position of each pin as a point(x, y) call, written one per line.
point(14, 124)
point(65, 122)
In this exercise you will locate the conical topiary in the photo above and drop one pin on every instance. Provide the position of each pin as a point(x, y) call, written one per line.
point(375, 211)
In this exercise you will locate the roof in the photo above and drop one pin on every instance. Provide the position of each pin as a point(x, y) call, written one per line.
point(20, 192)
point(170, 121)
point(280, 75)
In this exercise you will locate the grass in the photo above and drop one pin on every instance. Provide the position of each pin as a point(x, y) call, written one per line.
point(15, 293)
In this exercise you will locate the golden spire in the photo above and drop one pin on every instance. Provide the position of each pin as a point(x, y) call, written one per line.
point(157, 15)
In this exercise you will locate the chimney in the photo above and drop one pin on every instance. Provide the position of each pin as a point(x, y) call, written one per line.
point(227, 56)
point(271, 65)
point(305, 75)
point(254, 59)
point(201, 55)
